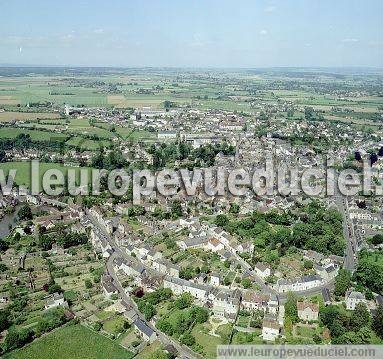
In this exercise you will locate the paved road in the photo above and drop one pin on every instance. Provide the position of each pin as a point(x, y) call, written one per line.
point(348, 233)
point(282, 296)
point(183, 350)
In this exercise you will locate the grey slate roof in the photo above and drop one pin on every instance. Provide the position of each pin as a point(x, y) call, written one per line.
point(143, 328)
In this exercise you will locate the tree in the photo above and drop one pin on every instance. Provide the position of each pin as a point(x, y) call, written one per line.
point(376, 239)
point(370, 269)
point(373, 158)
point(97, 326)
point(149, 311)
point(360, 317)
point(4, 320)
point(3, 245)
point(365, 335)
point(246, 283)
point(187, 339)
point(3, 267)
point(291, 309)
point(54, 288)
point(184, 301)
point(377, 323)
point(342, 282)
point(187, 273)
point(308, 264)
point(88, 283)
point(176, 209)
point(165, 326)
point(201, 315)
point(234, 208)
point(221, 220)
point(25, 213)
point(50, 319)
point(16, 338)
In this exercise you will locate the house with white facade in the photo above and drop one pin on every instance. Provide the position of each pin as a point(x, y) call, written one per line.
point(308, 311)
point(262, 270)
point(298, 284)
point(179, 286)
point(56, 300)
point(225, 303)
point(270, 328)
point(353, 298)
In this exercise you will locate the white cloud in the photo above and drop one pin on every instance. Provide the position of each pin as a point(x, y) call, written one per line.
point(350, 40)
point(263, 32)
point(270, 8)
point(98, 31)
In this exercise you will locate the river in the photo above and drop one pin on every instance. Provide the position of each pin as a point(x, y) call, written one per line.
point(8, 222)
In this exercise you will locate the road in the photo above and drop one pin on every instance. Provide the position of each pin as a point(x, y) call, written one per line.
point(282, 296)
point(183, 350)
point(348, 233)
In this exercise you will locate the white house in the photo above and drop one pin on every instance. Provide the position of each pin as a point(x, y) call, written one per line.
point(270, 328)
point(353, 298)
point(298, 284)
point(215, 279)
point(179, 286)
point(308, 311)
point(56, 300)
point(107, 285)
point(262, 270)
point(254, 301)
point(225, 303)
point(214, 245)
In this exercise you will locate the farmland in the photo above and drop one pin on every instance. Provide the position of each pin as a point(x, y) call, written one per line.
point(22, 116)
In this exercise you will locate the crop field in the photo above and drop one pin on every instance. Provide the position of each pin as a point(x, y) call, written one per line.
point(70, 342)
point(57, 90)
point(7, 116)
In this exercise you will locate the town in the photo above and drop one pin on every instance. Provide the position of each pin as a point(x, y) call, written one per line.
point(176, 276)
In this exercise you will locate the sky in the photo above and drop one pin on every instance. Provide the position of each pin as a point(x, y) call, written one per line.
point(192, 33)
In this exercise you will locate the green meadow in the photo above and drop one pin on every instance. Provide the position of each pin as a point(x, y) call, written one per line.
point(23, 171)
point(73, 341)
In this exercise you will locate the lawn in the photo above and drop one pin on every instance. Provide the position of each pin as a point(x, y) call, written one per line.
point(247, 338)
point(149, 350)
point(307, 332)
point(23, 170)
point(207, 341)
point(70, 342)
point(115, 325)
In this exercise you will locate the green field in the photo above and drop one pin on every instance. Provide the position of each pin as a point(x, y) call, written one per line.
point(23, 170)
point(36, 135)
point(72, 342)
point(86, 144)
